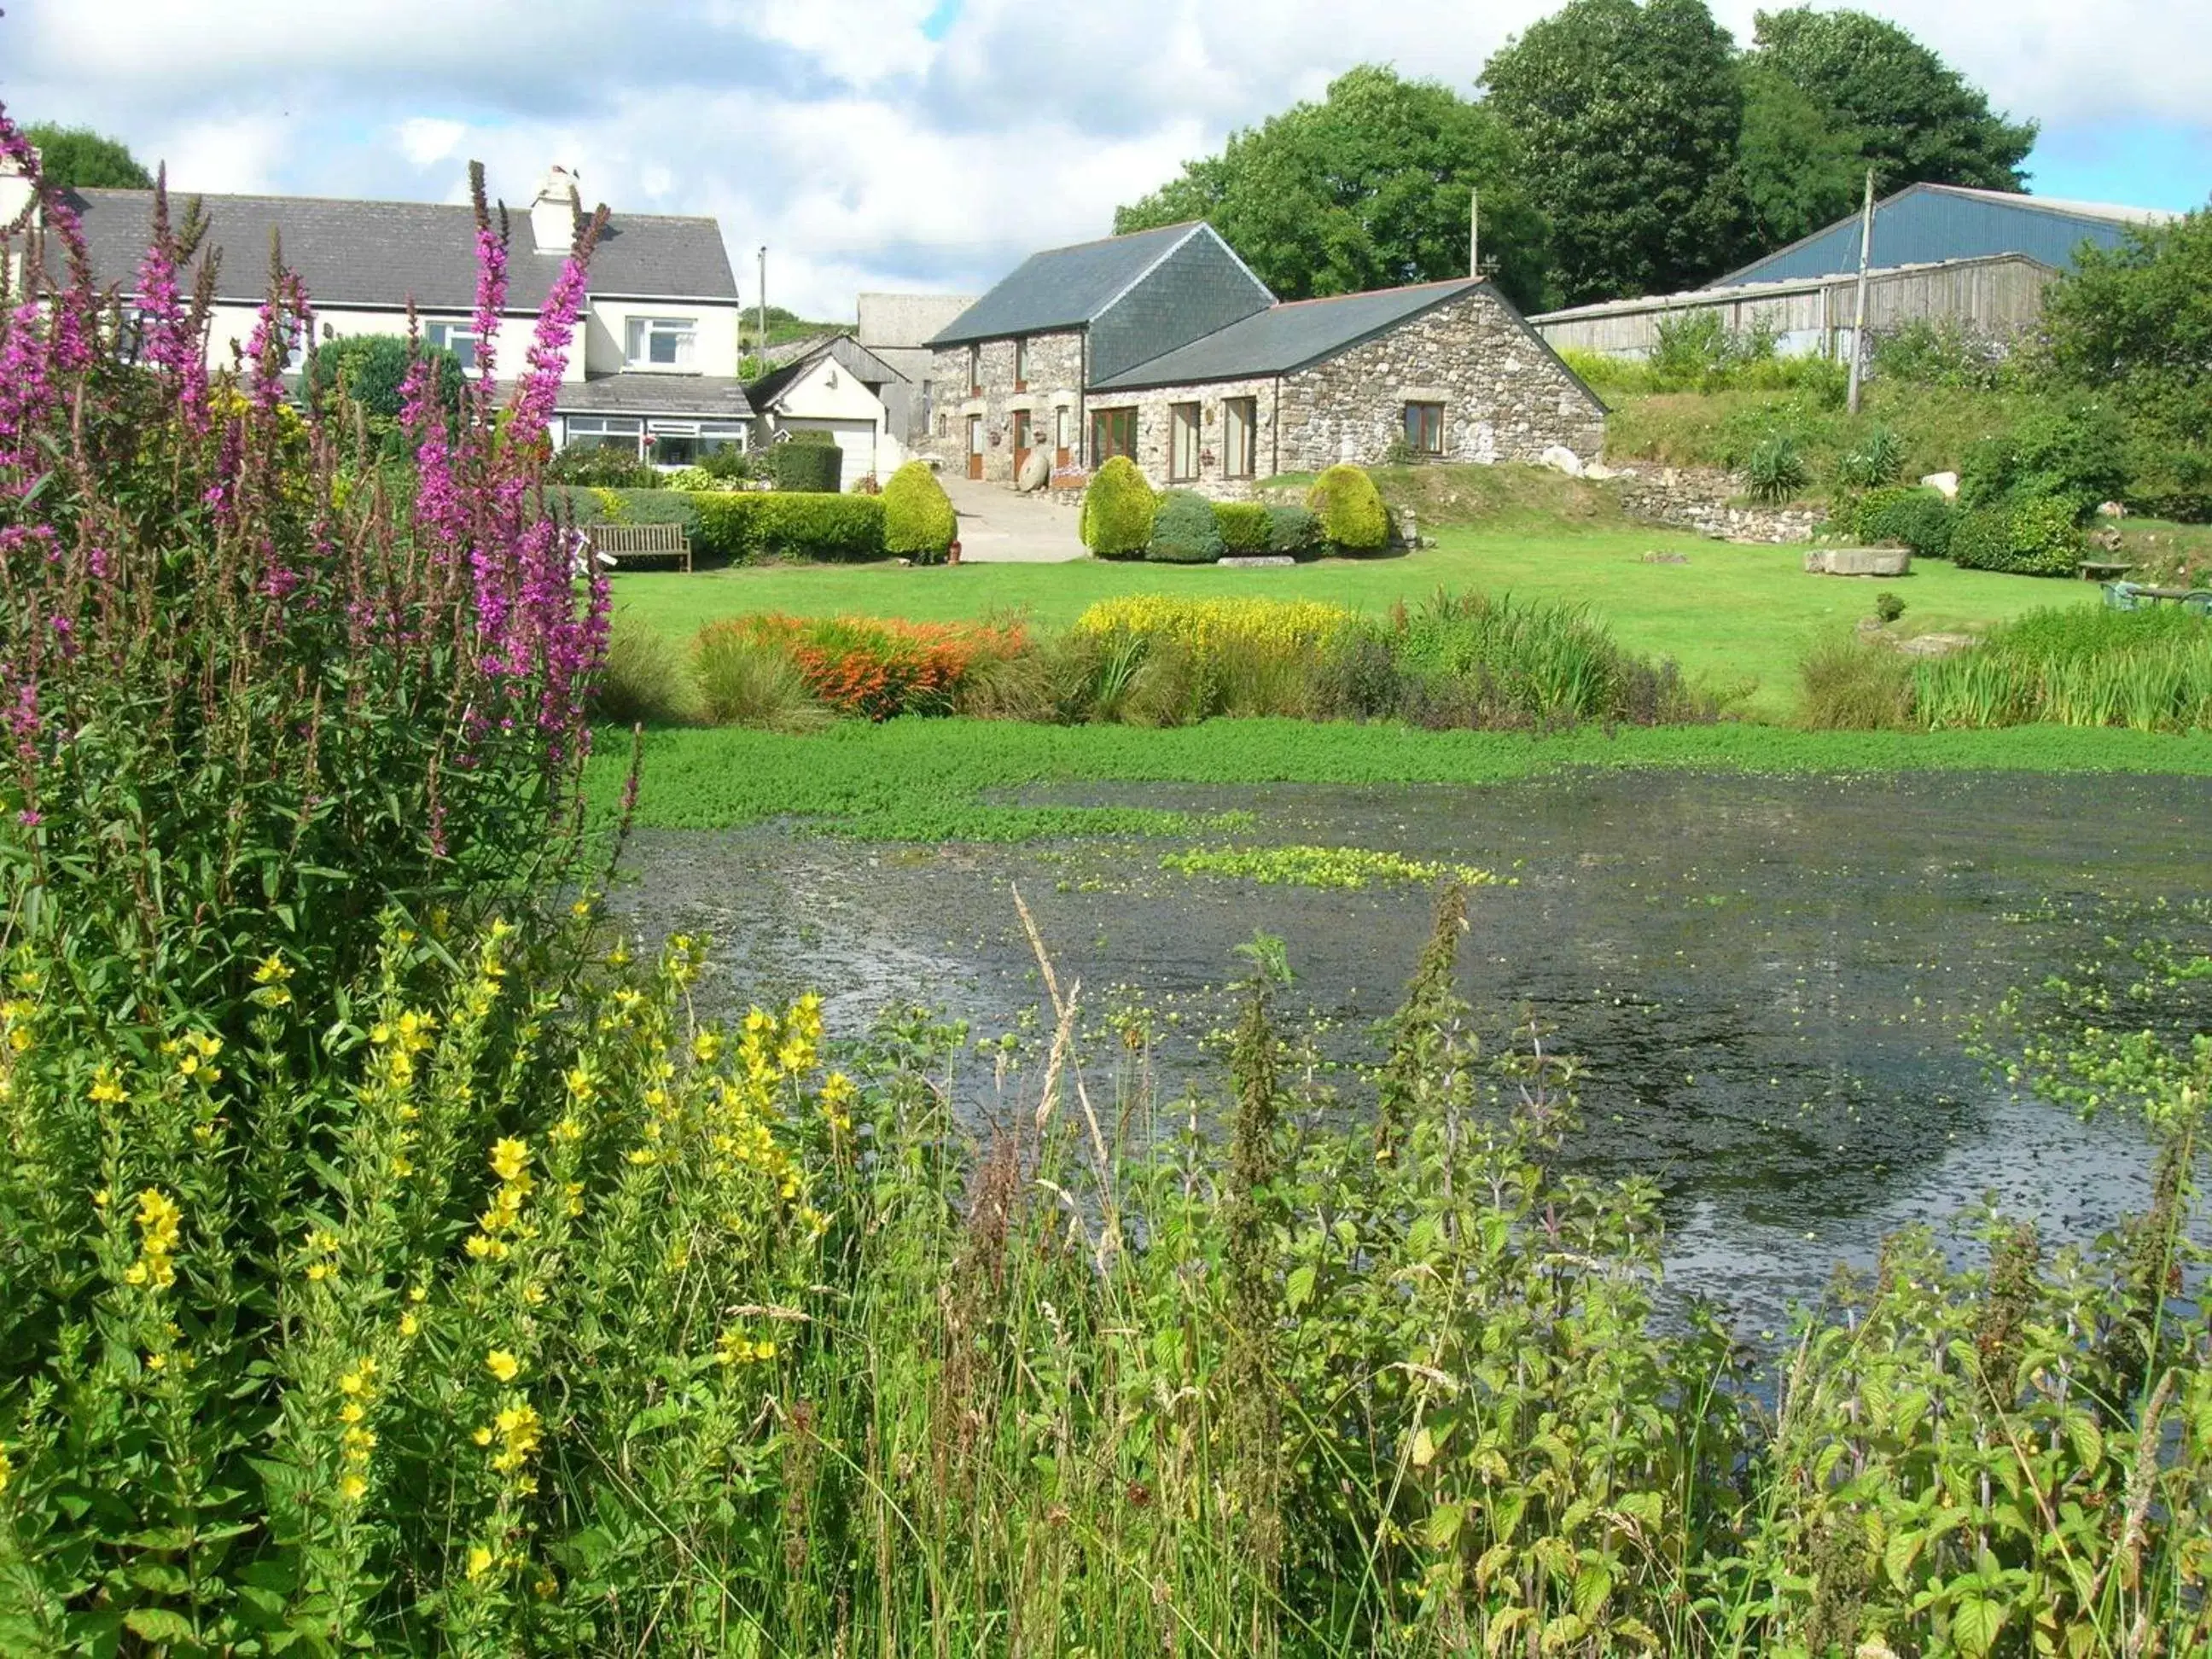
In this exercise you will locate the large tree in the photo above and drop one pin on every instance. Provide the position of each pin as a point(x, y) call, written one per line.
point(1798, 172)
point(1368, 188)
point(1628, 116)
point(77, 158)
point(1915, 118)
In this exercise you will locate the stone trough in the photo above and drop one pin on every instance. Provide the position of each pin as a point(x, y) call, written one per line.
point(1859, 561)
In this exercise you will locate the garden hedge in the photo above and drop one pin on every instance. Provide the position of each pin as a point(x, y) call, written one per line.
point(918, 522)
point(2035, 536)
point(1244, 526)
point(806, 462)
point(1118, 507)
point(1906, 516)
point(1184, 531)
point(1293, 529)
point(790, 525)
point(1351, 510)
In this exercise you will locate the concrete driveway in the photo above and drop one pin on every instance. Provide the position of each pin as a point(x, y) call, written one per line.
point(997, 526)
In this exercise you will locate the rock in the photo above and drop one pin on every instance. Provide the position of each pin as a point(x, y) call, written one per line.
point(1859, 561)
point(1258, 560)
point(1036, 473)
point(2110, 510)
point(1934, 645)
point(1945, 485)
point(1598, 473)
point(1560, 459)
point(1660, 558)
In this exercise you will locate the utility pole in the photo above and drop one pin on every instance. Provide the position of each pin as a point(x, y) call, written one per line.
point(760, 345)
point(1474, 233)
point(1858, 312)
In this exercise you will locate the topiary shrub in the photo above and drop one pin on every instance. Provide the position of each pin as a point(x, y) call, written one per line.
point(1351, 510)
point(807, 463)
point(1117, 511)
point(1184, 531)
point(1293, 529)
point(1243, 526)
point(1903, 516)
point(918, 522)
point(372, 370)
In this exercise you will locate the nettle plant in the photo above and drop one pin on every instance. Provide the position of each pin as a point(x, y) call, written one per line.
point(255, 692)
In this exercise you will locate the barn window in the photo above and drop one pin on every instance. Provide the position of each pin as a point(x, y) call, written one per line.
point(1239, 416)
point(1113, 432)
point(1182, 442)
point(1425, 428)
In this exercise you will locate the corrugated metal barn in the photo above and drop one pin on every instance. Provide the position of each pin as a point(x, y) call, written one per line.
point(1978, 259)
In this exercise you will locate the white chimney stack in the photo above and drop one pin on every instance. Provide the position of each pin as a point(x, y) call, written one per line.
point(15, 192)
point(553, 215)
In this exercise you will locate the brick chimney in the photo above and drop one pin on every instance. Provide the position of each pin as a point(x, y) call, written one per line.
point(15, 193)
point(553, 215)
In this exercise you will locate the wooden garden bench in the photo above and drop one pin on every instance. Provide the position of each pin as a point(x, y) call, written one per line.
point(613, 542)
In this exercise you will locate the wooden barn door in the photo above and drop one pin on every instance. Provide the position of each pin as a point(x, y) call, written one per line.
point(1021, 441)
point(975, 446)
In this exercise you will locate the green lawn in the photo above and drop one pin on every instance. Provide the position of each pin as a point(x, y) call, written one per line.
point(956, 780)
point(1733, 616)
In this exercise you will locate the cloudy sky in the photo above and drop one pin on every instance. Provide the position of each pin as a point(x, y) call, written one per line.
point(921, 143)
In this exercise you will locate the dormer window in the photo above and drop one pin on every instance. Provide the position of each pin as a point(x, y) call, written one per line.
point(659, 342)
point(459, 338)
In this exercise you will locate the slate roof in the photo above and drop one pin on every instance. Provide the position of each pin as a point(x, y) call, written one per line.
point(382, 254)
point(1066, 287)
point(1932, 224)
point(1286, 337)
point(768, 390)
point(706, 396)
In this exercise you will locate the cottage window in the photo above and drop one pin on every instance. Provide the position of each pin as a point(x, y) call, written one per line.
point(1021, 365)
point(1182, 442)
point(1240, 419)
point(686, 443)
point(974, 371)
point(1113, 432)
point(659, 341)
point(459, 338)
point(603, 432)
point(1425, 428)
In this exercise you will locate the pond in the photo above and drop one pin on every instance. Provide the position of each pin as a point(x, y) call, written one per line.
point(1765, 979)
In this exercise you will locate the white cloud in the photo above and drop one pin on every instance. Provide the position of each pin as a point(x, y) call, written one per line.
point(862, 153)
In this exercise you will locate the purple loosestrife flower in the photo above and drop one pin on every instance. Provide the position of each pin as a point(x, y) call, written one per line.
point(26, 398)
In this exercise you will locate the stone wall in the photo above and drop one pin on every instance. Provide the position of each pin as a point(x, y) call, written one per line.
point(1054, 381)
point(1153, 406)
point(1709, 501)
point(1506, 397)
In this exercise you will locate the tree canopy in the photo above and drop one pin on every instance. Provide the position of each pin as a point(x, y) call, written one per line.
point(77, 158)
point(1368, 188)
point(1628, 117)
point(1914, 118)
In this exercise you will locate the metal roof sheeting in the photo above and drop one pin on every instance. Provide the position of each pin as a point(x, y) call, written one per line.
point(1287, 337)
point(384, 253)
point(1934, 224)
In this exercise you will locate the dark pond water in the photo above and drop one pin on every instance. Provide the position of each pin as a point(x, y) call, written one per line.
point(1764, 978)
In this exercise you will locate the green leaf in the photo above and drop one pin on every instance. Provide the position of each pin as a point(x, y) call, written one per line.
point(1592, 1585)
point(159, 1625)
point(1298, 1287)
point(1444, 1522)
point(2087, 1440)
point(1975, 1624)
point(1897, 1558)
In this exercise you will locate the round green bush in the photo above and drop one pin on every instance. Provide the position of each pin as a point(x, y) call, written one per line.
point(1243, 526)
point(1184, 531)
point(2034, 535)
point(1117, 511)
point(806, 462)
point(918, 522)
point(1291, 529)
point(1351, 510)
point(1905, 516)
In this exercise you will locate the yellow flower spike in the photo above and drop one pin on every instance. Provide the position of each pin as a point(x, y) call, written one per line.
point(417, 1293)
point(509, 1158)
point(379, 1033)
point(409, 1324)
point(156, 1362)
point(6, 1469)
point(502, 1364)
point(106, 1087)
point(350, 1411)
point(706, 1046)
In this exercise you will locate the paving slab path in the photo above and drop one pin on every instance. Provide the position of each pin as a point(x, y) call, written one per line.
point(999, 526)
